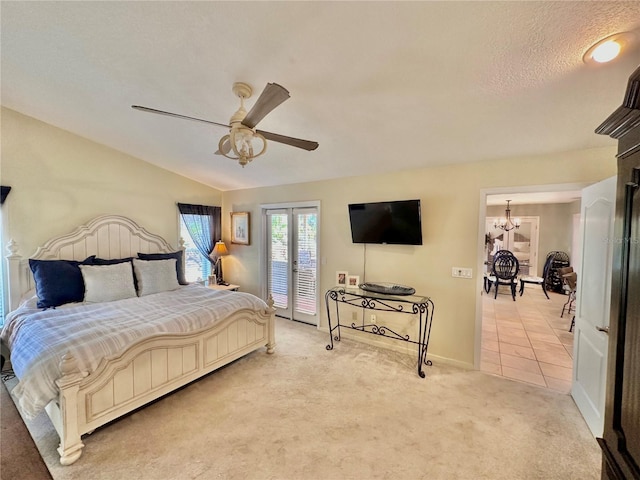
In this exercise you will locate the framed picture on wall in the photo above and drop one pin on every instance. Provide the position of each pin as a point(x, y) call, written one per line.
point(240, 228)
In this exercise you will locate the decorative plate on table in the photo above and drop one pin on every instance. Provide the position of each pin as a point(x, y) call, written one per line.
point(387, 288)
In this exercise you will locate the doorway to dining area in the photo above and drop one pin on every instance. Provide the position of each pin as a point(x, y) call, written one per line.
point(528, 339)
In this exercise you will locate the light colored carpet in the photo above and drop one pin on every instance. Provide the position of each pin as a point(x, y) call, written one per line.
point(356, 412)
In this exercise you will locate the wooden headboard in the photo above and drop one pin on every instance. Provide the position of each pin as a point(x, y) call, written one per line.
point(106, 236)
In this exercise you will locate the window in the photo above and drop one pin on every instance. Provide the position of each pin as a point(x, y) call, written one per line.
point(197, 268)
point(200, 227)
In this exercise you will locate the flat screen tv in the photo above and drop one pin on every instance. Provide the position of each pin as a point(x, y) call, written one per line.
point(396, 223)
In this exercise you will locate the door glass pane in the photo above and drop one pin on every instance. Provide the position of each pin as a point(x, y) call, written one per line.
point(305, 291)
point(495, 240)
point(521, 241)
point(522, 246)
point(278, 279)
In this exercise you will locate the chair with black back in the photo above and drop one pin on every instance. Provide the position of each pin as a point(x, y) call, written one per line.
point(504, 271)
point(488, 277)
point(554, 281)
point(570, 280)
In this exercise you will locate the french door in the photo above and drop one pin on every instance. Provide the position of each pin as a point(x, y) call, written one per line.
point(292, 266)
point(523, 242)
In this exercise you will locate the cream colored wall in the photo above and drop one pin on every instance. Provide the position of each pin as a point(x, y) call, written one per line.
point(60, 180)
point(450, 214)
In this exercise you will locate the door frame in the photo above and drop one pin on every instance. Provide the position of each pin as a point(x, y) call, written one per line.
point(262, 253)
point(482, 213)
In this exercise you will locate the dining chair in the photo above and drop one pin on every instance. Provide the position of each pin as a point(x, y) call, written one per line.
point(542, 281)
point(504, 271)
point(570, 279)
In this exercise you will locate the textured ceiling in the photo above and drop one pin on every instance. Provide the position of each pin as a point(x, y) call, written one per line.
point(381, 86)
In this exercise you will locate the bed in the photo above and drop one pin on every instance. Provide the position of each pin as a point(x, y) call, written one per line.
point(145, 346)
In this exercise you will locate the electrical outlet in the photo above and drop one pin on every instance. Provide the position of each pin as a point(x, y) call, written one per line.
point(373, 319)
point(354, 316)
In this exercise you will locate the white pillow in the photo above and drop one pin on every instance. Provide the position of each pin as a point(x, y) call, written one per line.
point(154, 276)
point(106, 283)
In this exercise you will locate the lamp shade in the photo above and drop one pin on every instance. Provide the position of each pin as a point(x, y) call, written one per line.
point(220, 249)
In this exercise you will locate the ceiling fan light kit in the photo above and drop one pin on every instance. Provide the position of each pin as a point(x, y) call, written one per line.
point(240, 139)
point(243, 143)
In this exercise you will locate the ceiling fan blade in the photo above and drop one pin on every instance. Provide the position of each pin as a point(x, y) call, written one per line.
point(294, 142)
point(272, 96)
point(176, 115)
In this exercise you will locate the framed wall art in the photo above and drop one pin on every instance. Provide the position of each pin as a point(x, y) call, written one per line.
point(240, 228)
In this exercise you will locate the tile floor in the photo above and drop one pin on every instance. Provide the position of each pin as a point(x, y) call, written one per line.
point(526, 340)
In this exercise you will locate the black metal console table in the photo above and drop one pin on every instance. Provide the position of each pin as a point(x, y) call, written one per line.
point(411, 304)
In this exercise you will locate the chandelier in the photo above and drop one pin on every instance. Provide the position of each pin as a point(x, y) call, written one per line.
point(506, 223)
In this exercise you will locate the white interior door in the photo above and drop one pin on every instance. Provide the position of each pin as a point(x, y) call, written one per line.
point(597, 213)
point(292, 252)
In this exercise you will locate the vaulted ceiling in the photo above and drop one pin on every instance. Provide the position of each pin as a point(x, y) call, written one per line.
point(381, 86)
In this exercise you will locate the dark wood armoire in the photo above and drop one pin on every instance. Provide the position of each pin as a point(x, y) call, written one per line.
point(620, 441)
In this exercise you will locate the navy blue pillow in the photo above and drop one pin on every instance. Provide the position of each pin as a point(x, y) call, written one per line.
point(113, 261)
point(58, 281)
point(167, 256)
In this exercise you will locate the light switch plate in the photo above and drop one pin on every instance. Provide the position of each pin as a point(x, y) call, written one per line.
point(461, 272)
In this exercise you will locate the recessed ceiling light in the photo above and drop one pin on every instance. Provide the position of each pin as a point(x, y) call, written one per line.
point(609, 48)
point(605, 52)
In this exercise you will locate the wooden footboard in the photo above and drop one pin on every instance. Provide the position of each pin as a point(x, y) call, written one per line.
point(148, 370)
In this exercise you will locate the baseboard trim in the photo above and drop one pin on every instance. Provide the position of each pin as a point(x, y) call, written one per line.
point(398, 346)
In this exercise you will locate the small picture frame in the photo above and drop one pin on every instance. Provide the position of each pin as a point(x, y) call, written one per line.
point(353, 281)
point(240, 228)
point(341, 278)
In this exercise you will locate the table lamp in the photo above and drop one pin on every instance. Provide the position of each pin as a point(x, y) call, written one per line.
point(219, 250)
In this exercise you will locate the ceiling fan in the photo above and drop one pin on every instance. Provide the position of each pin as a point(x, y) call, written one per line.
point(244, 142)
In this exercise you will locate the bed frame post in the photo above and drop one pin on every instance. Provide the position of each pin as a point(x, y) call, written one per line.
point(14, 277)
point(271, 341)
point(71, 445)
point(181, 246)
